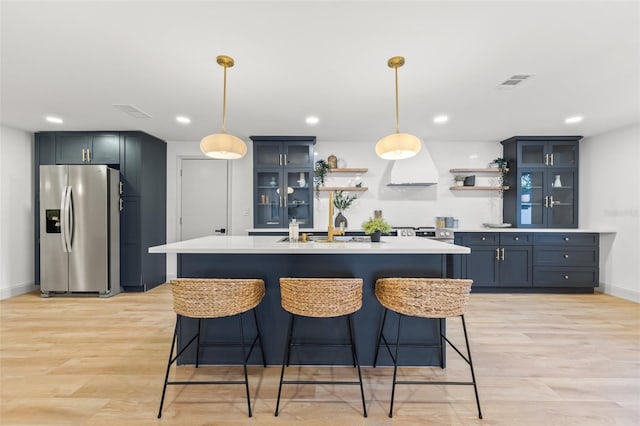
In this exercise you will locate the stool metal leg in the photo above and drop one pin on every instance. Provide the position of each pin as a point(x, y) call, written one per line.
point(198, 342)
point(473, 375)
point(384, 318)
point(244, 365)
point(285, 360)
point(255, 319)
point(395, 367)
point(169, 362)
point(353, 350)
point(356, 362)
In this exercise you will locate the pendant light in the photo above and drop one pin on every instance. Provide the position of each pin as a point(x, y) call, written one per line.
point(223, 145)
point(397, 146)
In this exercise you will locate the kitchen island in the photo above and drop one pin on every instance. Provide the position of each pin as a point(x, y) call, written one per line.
point(268, 258)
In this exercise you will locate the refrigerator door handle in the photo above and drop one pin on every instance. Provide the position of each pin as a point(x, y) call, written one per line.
point(70, 228)
point(63, 220)
point(67, 219)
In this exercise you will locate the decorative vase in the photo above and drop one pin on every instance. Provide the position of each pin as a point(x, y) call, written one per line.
point(375, 237)
point(302, 181)
point(332, 161)
point(340, 219)
point(557, 183)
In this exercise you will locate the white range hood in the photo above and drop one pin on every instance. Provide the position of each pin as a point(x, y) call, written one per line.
point(419, 170)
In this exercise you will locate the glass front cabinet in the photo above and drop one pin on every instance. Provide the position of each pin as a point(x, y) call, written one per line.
point(283, 181)
point(543, 176)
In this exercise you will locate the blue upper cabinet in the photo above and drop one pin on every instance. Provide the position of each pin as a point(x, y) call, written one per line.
point(87, 148)
point(543, 180)
point(282, 180)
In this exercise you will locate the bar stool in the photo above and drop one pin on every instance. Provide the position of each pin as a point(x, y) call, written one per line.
point(321, 298)
point(425, 298)
point(214, 298)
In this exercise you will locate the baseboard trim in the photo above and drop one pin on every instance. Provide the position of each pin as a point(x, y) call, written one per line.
point(17, 290)
point(620, 292)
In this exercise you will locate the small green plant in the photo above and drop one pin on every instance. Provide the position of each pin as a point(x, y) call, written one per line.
point(320, 172)
point(500, 162)
point(343, 200)
point(376, 224)
point(502, 165)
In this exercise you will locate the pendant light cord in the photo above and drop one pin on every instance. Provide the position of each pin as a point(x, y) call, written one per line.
point(397, 113)
point(224, 102)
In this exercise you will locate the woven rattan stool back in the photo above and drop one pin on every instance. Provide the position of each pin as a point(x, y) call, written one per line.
point(424, 297)
point(321, 297)
point(214, 298)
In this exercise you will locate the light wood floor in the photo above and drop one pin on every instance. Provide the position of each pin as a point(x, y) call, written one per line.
point(540, 359)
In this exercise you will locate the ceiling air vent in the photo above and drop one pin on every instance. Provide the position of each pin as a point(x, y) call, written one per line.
point(132, 111)
point(514, 80)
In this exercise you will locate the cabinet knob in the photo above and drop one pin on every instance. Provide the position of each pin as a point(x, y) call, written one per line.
point(566, 238)
point(566, 256)
point(484, 238)
point(566, 277)
point(516, 238)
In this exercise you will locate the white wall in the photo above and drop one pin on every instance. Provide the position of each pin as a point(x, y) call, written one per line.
point(610, 199)
point(16, 212)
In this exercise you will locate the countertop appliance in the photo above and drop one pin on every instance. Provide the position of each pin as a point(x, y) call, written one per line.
point(440, 234)
point(79, 230)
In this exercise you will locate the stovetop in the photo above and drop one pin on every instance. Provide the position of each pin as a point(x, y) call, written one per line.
point(424, 231)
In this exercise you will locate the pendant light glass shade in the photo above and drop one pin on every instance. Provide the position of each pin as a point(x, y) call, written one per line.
point(223, 145)
point(397, 146)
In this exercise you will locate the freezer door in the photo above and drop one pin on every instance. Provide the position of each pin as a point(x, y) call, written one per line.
point(54, 264)
point(88, 256)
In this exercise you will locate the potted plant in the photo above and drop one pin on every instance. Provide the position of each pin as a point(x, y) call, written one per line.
point(459, 179)
point(342, 201)
point(319, 173)
point(375, 227)
point(501, 163)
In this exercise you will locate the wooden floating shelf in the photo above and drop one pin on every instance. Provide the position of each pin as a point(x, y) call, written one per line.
point(486, 170)
point(342, 188)
point(349, 170)
point(471, 188)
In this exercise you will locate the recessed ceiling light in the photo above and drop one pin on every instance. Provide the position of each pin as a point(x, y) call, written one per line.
point(573, 120)
point(183, 120)
point(312, 120)
point(440, 119)
point(55, 120)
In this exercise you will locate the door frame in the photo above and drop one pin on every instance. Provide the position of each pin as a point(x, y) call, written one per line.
point(179, 160)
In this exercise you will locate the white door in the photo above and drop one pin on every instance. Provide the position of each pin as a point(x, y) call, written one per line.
point(204, 198)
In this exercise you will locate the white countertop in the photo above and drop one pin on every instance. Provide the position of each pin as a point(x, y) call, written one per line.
point(563, 230)
point(271, 245)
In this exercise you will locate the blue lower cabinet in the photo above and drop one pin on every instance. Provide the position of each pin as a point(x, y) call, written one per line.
point(514, 261)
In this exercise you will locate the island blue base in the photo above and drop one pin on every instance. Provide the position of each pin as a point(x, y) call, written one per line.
point(274, 320)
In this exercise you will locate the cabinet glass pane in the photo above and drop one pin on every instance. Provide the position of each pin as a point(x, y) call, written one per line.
point(298, 155)
point(563, 155)
point(268, 202)
point(533, 154)
point(532, 197)
point(267, 154)
point(298, 197)
point(562, 200)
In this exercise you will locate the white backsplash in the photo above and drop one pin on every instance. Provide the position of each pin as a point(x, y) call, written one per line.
point(408, 205)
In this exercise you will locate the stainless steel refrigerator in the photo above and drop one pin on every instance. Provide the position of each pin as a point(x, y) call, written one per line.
point(79, 230)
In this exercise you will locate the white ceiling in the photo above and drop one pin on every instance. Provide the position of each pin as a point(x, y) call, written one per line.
point(76, 59)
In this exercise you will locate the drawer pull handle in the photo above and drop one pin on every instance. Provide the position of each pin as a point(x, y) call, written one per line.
point(566, 238)
point(566, 256)
point(566, 277)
